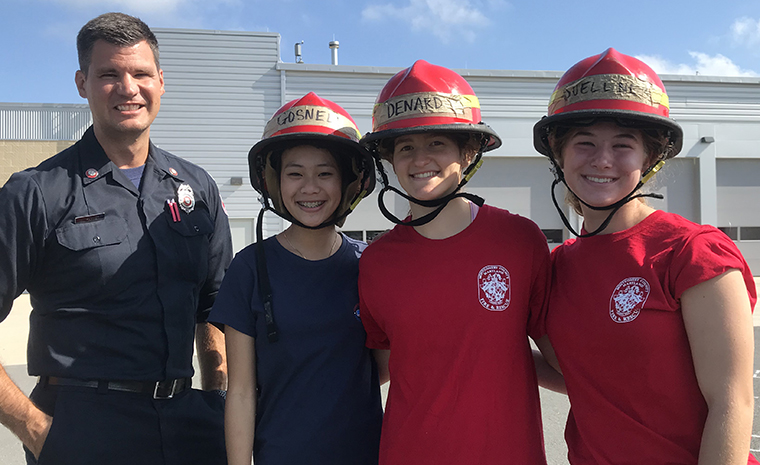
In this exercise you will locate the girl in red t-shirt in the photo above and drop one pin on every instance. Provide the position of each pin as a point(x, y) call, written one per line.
point(649, 313)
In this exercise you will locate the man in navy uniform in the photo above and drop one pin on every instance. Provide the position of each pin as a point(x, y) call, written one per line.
point(122, 247)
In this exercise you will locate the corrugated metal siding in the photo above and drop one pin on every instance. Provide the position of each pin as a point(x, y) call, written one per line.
point(221, 87)
point(511, 106)
point(29, 121)
point(714, 101)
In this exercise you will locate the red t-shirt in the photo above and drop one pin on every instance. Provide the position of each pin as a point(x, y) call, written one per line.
point(615, 323)
point(456, 314)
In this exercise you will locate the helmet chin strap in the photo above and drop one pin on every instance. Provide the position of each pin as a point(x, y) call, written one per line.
point(440, 203)
point(262, 275)
point(559, 176)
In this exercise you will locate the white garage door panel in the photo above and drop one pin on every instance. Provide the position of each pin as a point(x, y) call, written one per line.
point(738, 206)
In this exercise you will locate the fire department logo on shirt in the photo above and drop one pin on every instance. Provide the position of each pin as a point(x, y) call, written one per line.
point(628, 299)
point(494, 288)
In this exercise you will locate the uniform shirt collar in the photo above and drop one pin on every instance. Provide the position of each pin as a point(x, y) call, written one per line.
point(162, 162)
point(94, 161)
point(96, 164)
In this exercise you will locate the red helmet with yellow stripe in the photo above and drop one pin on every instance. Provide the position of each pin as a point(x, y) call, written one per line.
point(614, 86)
point(424, 98)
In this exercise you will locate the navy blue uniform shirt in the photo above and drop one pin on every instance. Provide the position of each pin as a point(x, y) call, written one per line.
point(117, 284)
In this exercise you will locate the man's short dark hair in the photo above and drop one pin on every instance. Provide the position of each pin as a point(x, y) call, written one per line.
point(115, 29)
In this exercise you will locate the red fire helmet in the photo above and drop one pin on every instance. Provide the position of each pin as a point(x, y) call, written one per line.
point(312, 119)
point(614, 86)
point(427, 98)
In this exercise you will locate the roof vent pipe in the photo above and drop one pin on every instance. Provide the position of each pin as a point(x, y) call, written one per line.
point(334, 51)
point(299, 57)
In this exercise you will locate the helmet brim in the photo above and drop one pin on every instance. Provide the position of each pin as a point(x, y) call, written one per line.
point(494, 142)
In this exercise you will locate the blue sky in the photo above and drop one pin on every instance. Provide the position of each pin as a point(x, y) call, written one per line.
point(38, 56)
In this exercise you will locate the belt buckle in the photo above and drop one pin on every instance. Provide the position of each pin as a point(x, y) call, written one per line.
point(159, 385)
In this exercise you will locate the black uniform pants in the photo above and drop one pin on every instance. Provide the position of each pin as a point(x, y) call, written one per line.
point(120, 428)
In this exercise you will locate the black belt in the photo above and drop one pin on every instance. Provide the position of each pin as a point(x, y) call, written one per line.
point(158, 389)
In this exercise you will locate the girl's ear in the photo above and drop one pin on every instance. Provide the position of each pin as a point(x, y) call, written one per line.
point(467, 157)
point(390, 162)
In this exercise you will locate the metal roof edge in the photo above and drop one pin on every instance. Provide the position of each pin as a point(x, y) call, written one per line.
point(323, 68)
point(169, 30)
point(710, 79)
point(40, 106)
point(553, 75)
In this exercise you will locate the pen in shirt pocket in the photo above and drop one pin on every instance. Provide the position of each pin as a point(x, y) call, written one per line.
point(173, 209)
point(89, 218)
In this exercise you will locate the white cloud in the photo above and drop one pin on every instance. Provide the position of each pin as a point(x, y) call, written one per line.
point(449, 20)
point(704, 65)
point(746, 31)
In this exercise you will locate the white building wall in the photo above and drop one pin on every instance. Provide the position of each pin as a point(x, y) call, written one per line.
point(738, 199)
